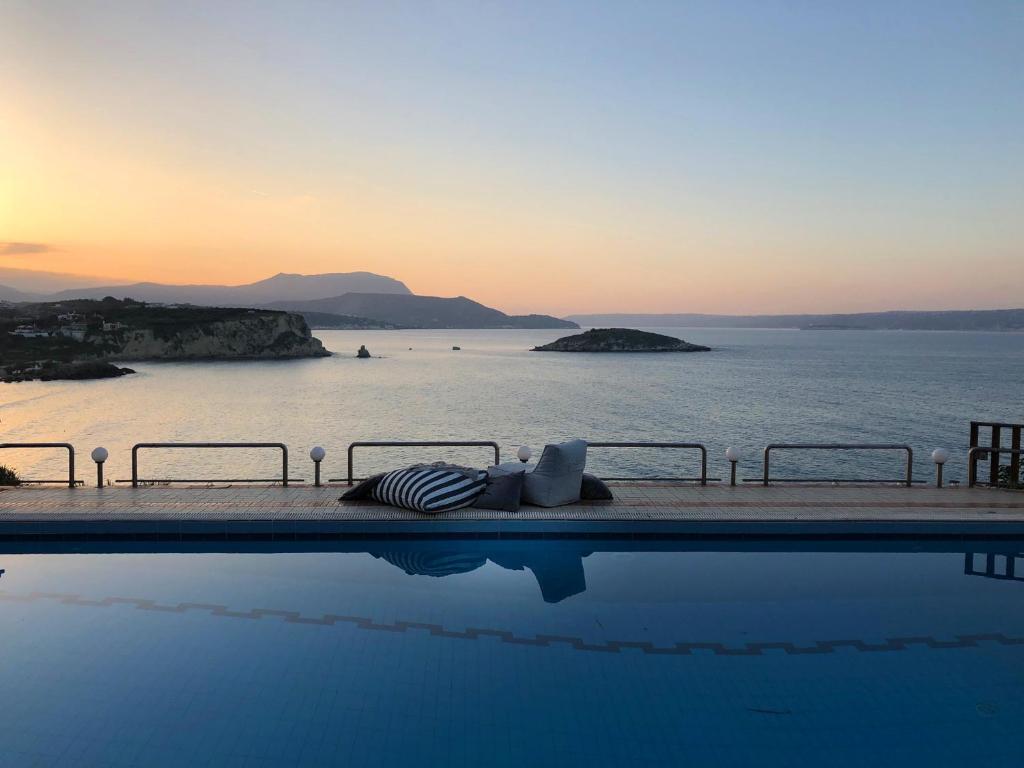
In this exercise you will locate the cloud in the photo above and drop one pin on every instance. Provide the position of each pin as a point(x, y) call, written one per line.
point(19, 249)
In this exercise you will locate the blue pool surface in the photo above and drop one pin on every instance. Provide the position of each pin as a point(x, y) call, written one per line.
point(528, 653)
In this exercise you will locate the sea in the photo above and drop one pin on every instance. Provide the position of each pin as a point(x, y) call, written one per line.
point(756, 387)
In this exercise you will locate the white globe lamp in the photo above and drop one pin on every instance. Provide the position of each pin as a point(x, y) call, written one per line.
point(99, 455)
point(940, 456)
point(733, 455)
point(317, 455)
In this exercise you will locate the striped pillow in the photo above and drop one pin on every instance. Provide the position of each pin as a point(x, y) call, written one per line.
point(430, 489)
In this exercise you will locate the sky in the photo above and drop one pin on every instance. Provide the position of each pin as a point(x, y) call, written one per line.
point(558, 157)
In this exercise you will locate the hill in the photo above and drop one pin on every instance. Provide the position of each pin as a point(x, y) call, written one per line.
point(39, 283)
point(280, 287)
point(408, 311)
point(951, 320)
point(327, 321)
point(13, 294)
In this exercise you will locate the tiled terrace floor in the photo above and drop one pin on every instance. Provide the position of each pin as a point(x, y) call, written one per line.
point(633, 502)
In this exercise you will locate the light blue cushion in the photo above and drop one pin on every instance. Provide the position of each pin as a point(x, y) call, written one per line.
point(558, 475)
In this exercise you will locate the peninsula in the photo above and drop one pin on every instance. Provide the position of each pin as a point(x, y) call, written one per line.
point(81, 338)
point(620, 340)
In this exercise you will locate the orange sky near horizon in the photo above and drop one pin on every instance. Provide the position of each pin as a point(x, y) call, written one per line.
point(238, 168)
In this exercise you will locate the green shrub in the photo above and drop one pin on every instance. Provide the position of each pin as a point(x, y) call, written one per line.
point(8, 476)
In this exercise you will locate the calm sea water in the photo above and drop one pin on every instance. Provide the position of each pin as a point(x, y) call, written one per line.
point(756, 387)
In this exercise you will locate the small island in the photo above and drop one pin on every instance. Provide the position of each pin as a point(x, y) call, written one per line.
point(620, 340)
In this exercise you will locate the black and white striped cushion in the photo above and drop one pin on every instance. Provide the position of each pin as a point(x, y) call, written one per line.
point(429, 490)
point(416, 563)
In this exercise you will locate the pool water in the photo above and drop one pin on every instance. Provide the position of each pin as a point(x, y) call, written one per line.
point(521, 653)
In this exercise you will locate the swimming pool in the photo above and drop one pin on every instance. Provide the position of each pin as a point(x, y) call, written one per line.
point(525, 653)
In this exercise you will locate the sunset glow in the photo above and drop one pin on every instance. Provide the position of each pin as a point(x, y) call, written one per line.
point(541, 158)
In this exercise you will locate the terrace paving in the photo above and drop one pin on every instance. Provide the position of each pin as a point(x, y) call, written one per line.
point(644, 508)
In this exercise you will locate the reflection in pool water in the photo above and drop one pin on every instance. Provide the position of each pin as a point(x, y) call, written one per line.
point(559, 572)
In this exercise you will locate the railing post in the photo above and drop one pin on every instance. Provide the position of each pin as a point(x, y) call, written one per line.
point(135, 466)
point(767, 453)
point(910, 467)
point(284, 466)
point(1015, 457)
point(993, 458)
point(350, 449)
point(703, 465)
point(71, 467)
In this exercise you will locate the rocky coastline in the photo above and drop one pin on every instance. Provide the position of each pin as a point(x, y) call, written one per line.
point(84, 339)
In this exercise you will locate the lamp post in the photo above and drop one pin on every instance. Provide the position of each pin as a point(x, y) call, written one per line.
point(940, 456)
point(524, 453)
point(317, 455)
point(733, 455)
point(99, 455)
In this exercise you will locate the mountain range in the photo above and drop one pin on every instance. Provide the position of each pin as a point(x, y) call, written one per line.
point(411, 311)
point(334, 300)
point(368, 300)
point(280, 287)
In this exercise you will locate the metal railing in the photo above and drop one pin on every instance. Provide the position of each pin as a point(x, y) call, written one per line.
point(71, 460)
point(995, 443)
point(416, 444)
point(908, 480)
point(696, 446)
point(972, 464)
point(279, 446)
point(1009, 572)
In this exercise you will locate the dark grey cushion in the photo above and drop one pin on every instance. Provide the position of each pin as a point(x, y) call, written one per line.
point(509, 467)
point(558, 475)
point(593, 489)
point(503, 492)
point(363, 489)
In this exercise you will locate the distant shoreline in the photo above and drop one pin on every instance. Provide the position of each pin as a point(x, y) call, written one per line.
point(995, 320)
